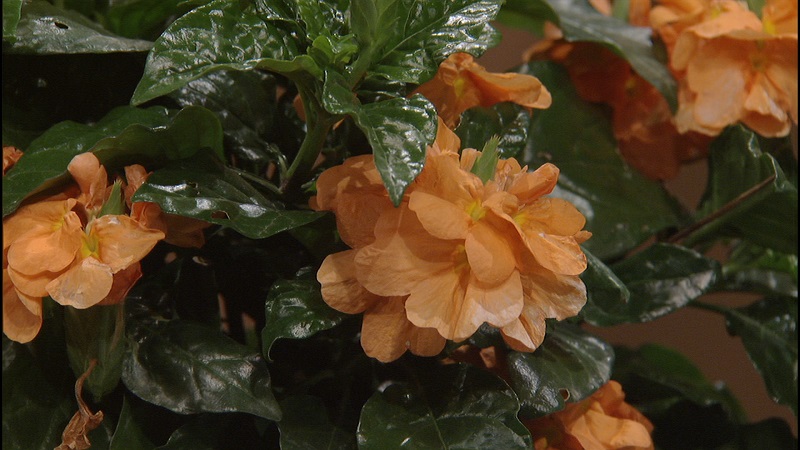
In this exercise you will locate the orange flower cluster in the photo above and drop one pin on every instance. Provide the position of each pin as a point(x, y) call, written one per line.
point(731, 65)
point(461, 83)
point(456, 253)
point(78, 247)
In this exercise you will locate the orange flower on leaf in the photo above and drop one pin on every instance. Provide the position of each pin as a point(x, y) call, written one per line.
point(461, 84)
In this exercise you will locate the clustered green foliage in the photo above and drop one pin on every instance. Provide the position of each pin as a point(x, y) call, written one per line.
point(187, 88)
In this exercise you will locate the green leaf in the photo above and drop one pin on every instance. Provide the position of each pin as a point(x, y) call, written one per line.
point(203, 432)
point(189, 368)
point(219, 35)
point(203, 188)
point(527, 15)
point(305, 426)
point(44, 29)
point(143, 19)
point(96, 333)
point(579, 21)
point(570, 364)
point(454, 406)
point(507, 120)
point(754, 268)
point(663, 278)
point(622, 208)
point(11, 15)
point(128, 433)
point(245, 104)
point(769, 216)
point(295, 309)
point(429, 32)
point(656, 378)
point(607, 297)
point(125, 136)
point(486, 164)
point(45, 162)
point(770, 433)
point(35, 411)
point(768, 329)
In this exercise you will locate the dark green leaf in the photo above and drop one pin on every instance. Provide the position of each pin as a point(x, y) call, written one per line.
point(203, 188)
point(663, 278)
point(295, 309)
point(507, 120)
point(128, 433)
point(34, 411)
point(455, 407)
point(245, 104)
point(579, 21)
point(570, 364)
point(11, 14)
point(608, 299)
point(143, 19)
point(44, 29)
point(45, 162)
point(656, 378)
point(622, 207)
point(768, 330)
point(203, 432)
point(768, 434)
point(429, 32)
point(96, 334)
point(190, 368)
point(219, 35)
point(754, 268)
point(768, 217)
point(305, 426)
point(528, 15)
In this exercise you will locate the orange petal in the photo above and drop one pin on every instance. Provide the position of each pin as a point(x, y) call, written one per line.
point(438, 302)
point(22, 315)
point(32, 285)
point(597, 430)
point(425, 341)
point(91, 177)
point(497, 305)
point(532, 185)
point(124, 280)
point(523, 334)
point(122, 241)
point(556, 296)
point(489, 253)
point(47, 250)
point(85, 284)
point(340, 288)
point(385, 332)
point(37, 217)
point(441, 218)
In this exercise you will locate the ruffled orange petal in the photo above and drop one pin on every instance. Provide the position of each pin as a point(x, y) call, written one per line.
point(22, 315)
point(529, 186)
point(124, 280)
point(32, 285)
point(498, 304)
point(85, 284)
point(340, 288)
point(441, 218)
point(595, 429)
point(386, 333)
point(92, 178)
point(122, 241)
point(556, 296)
point(489, 253)
point(47, 250)
point(37, 217)
point(10, 157)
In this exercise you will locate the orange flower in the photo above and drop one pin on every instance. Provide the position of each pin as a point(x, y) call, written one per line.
point(22, 314)
point(461, 83)
point(10, 157)
point(456, 253)
point(780, 16)
point(736, 72)
point(601, 422)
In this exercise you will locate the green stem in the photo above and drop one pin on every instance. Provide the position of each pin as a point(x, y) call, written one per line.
point(318, 128)
point(258, 180)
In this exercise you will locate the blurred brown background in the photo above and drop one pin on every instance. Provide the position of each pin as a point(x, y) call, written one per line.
point(698, 334)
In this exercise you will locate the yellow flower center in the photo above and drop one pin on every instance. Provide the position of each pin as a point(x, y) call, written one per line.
point(460, 85)
point(476, 211)
point(91, 246)
point(770, 27)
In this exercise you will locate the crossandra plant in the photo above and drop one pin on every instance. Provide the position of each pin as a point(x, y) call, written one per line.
point(308, 224)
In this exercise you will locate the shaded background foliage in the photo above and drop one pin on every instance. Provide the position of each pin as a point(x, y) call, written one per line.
point(272, 365)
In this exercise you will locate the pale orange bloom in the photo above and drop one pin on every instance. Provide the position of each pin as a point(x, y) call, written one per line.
point(735, 72)
point(22, 314)
point(10, 157)
point(603, 421)
point(780, 17)
point(461, 84)
point(670, 18)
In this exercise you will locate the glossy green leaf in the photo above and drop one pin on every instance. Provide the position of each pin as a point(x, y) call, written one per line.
point(45, 162)
point(142, 19)
point(96, 333)
point(507, 120)
point(189, 368)
point(429, 32)
point(219, 35)
point(622, 208)
point(203, 432)
point(754, 268)
point(35, 412)
point(305, 426)
point(203, 188)
point(11, 15)
point(656, 378)
point(128, 433)
point(663, 278)
point(579, 21)
point(768, 330)
point(570, 364)
point(607, 297)
point(455, 407)
point(527, 15)
point(295, 309)
point(769, 216)
point(245, 104)
point(44, 29)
